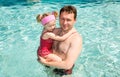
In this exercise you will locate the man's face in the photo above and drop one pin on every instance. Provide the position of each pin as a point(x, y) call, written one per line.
point(67, 21)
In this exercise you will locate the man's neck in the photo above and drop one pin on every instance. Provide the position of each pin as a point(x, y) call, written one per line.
point(66, 31)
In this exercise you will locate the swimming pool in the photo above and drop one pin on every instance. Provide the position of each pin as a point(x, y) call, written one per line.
point(98, 22)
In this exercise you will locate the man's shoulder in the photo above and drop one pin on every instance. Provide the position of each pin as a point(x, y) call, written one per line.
point(76, 37)
point(56, 30)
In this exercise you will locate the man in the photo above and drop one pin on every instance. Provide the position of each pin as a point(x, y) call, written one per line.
point(68, 49)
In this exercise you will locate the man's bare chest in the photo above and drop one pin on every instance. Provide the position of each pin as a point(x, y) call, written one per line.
point(64, 46)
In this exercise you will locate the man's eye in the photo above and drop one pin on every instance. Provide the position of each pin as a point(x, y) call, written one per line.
point(68, 20)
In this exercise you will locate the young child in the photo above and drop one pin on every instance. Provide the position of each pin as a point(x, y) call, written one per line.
point(48, 20)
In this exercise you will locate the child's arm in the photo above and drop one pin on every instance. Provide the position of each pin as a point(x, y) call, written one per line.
point(59, 38)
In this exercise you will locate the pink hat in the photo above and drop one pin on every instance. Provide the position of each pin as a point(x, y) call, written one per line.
point(47, 19)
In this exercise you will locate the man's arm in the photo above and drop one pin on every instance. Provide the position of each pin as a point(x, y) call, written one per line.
point(71, 56)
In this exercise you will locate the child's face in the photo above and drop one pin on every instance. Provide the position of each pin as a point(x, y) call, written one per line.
point(50, 26)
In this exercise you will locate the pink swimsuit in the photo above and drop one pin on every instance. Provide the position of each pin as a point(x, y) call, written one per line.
point(45, 47)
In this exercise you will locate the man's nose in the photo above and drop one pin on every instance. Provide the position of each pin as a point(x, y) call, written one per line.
point(65, 22)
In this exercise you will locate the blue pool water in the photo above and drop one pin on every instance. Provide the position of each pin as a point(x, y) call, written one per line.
point(98, 22)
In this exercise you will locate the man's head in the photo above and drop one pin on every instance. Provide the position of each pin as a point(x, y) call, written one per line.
point(69, 9)
point(67, 17)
